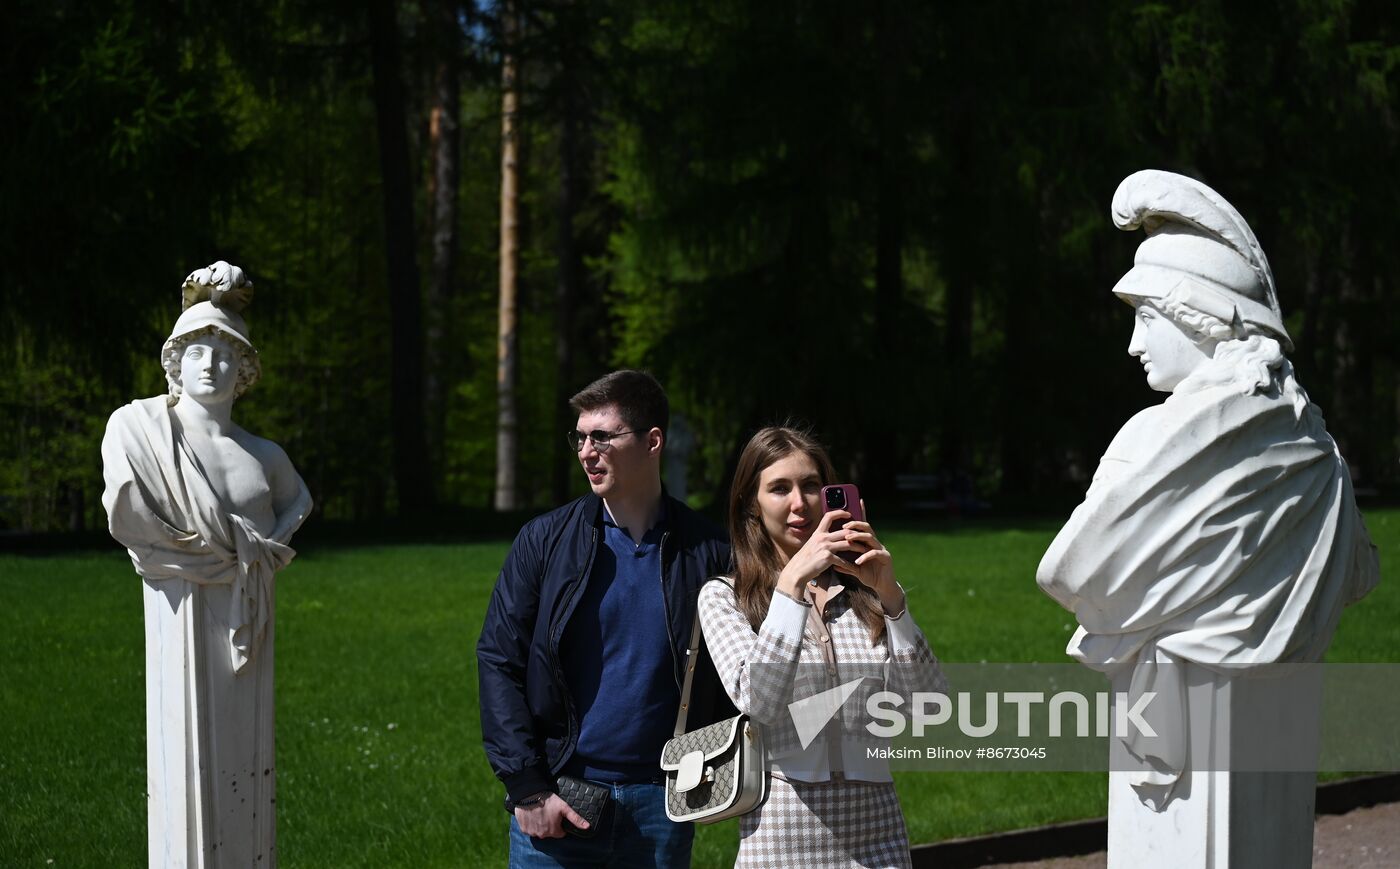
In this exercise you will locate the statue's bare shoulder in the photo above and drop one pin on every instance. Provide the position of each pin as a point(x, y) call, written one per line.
point(272, 456)
point(282, 478)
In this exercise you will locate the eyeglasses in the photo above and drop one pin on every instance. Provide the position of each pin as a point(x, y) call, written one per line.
point(601, 439)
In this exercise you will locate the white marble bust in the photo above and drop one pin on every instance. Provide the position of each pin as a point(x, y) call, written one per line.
point(1220, 530)
point(206, 511)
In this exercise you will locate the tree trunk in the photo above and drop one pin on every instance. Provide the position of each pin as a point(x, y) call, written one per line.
point(444, 143)
point(507, 361)
point(405, 306)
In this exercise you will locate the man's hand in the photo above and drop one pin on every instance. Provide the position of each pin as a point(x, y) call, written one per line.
point(545, 820)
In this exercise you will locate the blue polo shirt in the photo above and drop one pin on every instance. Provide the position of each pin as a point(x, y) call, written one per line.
point(617, 660)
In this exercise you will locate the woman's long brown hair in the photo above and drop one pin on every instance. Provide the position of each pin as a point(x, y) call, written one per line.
point(757, 559)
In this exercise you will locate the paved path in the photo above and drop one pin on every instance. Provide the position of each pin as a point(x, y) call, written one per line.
point(1360, 839)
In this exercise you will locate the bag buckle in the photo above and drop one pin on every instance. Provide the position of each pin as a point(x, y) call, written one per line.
point(692, 772)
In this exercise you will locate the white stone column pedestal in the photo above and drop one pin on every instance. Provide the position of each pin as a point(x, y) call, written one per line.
point(1223, 819)
point(210, 777)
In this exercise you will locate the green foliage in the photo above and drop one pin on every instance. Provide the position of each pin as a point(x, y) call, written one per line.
point(746, 146)
point(308, 228)
point(884, 220)
point(744, 176)
point(53, 437)
point(112, 129)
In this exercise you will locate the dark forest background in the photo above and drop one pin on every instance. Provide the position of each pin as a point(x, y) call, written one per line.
point(889, 219)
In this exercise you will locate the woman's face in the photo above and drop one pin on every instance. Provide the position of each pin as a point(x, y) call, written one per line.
point(1167, 353)
point(788, 501)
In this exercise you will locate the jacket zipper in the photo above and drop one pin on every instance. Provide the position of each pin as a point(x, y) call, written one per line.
point(559, 632)
point(666, 606)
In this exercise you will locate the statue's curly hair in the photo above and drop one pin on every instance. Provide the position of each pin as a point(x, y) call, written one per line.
point(249, 367)
point(1246, 356)
point(1199, 324)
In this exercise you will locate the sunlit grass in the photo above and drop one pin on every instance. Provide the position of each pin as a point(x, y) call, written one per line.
point(379, 743)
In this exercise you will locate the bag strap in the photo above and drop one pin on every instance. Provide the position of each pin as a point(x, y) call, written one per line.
point(692, 658)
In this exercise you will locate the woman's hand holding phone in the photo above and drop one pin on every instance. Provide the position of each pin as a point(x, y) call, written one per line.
point(874, 567)
point(821, 551)
point(852, 548)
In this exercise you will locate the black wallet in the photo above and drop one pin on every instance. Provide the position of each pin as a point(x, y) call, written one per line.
point(590, 800)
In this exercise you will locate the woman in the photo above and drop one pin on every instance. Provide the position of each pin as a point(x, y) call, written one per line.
point(793, 599)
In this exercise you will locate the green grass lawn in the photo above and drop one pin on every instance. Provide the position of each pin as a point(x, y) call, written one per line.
point(379, 744)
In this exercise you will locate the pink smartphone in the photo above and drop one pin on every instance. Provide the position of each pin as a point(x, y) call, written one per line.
point(843, 496)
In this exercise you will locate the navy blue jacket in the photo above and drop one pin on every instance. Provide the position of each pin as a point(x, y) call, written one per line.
point(528, 721)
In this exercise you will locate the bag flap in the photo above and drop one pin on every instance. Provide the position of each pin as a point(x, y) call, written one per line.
point(713, 741)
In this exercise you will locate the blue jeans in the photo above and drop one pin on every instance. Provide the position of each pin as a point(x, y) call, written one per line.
point(635, 833)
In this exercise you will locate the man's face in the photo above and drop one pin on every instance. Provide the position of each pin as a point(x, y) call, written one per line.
point(209, 369)
point(627, 463)
point(1168, 354)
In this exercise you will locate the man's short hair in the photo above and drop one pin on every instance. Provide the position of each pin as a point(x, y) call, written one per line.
point(640, 400)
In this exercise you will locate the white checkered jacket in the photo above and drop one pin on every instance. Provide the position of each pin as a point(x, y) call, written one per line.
point(765, 670)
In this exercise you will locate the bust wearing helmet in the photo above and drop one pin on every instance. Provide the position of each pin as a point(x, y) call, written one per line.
point(1220, 533)
point(206, 511)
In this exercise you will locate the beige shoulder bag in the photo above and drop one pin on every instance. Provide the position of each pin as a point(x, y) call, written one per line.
point(716, 772)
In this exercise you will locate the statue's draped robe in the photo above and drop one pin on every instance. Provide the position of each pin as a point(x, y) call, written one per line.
point(1220, 530)
point(208, 588)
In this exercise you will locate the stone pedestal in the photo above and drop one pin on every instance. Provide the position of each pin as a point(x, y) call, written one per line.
point(1239, 820)
point(1217, 817)
point(210, 778)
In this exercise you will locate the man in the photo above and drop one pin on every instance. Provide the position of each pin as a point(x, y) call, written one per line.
point(582, 652)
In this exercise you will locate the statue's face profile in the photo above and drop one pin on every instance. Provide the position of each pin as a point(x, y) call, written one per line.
point(209, 369)
point(1168, 354)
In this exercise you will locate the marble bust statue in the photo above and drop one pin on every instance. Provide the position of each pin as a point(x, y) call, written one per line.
point(206, 511)
point(1220, 533)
